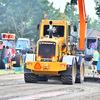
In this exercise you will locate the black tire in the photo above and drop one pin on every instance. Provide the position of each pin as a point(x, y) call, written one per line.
point(18, 59)
point(70, 79)
point(80, 73)
point(4, 51)
point(30, 78)
point(43, 78)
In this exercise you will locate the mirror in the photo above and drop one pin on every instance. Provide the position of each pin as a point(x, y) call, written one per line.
point(38, 26)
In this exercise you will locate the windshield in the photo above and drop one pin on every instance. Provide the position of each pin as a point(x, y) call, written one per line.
point(1, 42)
point(57, 30)
point(8, 43)
point(22, 43)
point(91, 43)
point(90, 46)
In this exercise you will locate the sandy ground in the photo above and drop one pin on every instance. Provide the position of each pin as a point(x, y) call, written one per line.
point(13, 87)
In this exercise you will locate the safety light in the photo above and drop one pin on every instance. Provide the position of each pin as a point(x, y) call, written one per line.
point(67, 65)
point(53, 57)
point(39, 57)
point(62, 65)
point(29, 64)
point(63, 16)
point(73, 2)
point(45, 15)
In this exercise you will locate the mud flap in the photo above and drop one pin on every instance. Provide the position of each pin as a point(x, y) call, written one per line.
point(26, 70)
point(70, 62)
point(29, 57)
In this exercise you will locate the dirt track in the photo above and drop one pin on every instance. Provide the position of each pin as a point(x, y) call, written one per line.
point(13, 87)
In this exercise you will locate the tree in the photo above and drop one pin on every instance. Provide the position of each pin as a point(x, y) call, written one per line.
point(19, 13)
point(22, 16)
point(44, 8)
point(70, 11)
point(97, 8)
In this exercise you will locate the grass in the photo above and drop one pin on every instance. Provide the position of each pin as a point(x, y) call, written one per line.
point(13, 72)
point(88, 69)
point(8, 72)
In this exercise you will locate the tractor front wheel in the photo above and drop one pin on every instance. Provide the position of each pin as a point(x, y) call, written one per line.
point(30, 78)
point(80, 73)
point(70, 79)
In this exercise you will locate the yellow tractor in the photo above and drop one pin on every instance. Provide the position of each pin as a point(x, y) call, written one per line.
point(55, 57)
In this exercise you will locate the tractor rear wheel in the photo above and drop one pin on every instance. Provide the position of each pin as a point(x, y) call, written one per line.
point(70, 79)
point(80, 73)
point(30, 78)
point(18, 59)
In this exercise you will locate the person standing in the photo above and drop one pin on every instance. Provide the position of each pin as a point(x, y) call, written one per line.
point(95, 61)
point(24, 53)
point(98, 64)
point(8, 55)
point(30, 51)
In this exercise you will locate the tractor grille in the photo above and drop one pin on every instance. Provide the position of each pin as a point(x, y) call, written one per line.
point(47, 49)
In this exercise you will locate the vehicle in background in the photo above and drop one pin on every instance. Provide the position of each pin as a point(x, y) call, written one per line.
point(88, 52)
point(9, 40)
point(21, 43)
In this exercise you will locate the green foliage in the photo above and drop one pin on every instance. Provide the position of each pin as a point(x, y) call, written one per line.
point(91, 23)
point(97, 8)
point(22, 16)
point(70, 11)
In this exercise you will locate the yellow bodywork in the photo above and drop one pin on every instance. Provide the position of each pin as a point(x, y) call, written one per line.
point(46, 67)
point(60, 51)
point(54, 66)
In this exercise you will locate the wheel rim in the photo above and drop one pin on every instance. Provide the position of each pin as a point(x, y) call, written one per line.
point(74, 71)
point(21, 61)
point(82, 68)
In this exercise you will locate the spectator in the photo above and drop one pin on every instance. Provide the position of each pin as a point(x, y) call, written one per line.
point(30, 51)
point(24, 53)
point(95, 61)
point(92, 46)
point(98, 65)
point(8, 55)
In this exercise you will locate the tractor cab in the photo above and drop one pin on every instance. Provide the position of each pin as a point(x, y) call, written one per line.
point(90, 44)
point(22, 43)
point(55, 29)
point(58, 31)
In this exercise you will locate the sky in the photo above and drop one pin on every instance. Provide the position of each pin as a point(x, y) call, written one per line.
point(89, 5)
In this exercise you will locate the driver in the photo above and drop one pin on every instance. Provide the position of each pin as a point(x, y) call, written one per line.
point(92, 46)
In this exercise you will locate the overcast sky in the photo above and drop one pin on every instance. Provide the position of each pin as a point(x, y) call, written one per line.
point(89, 4)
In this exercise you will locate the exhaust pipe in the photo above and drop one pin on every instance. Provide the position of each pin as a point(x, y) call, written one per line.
point(50, 29)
